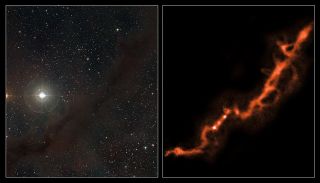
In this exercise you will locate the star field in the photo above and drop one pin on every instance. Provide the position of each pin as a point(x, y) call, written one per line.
point(96, 114)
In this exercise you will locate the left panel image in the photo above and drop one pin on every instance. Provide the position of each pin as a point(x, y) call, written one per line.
point(81, 91)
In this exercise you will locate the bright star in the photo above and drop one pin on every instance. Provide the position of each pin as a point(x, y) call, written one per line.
point(42, 95)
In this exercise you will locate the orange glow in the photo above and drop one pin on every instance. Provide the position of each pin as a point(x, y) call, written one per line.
point(178, 151)
point(257, 104)
point(303, 34)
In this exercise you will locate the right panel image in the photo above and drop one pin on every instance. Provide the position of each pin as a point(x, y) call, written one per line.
point(238, 91)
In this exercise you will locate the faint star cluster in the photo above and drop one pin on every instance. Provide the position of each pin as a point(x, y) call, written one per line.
point(102, 62)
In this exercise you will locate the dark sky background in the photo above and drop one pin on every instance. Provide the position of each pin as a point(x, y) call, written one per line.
point(98, 66)
point(212, 54)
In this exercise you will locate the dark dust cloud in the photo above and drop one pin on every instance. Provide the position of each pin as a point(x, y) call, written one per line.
point(81, 91)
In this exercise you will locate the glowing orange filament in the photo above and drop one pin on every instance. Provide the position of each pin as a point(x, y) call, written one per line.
point(257, 104)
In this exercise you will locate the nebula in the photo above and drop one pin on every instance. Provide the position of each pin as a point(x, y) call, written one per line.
point(270, 95)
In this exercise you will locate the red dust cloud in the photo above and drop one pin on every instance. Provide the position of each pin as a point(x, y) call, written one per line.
point(260, 102)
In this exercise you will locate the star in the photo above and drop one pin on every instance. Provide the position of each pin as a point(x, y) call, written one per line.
point(68, 80)
point(42, 95)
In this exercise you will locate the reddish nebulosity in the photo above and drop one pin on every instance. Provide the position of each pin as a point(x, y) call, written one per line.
point(257, 104)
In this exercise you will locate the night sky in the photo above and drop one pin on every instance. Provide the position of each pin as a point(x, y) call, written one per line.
point(213, 56)
point(81, 91)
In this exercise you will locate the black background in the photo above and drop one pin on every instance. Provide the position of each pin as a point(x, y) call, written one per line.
point(210, 50)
